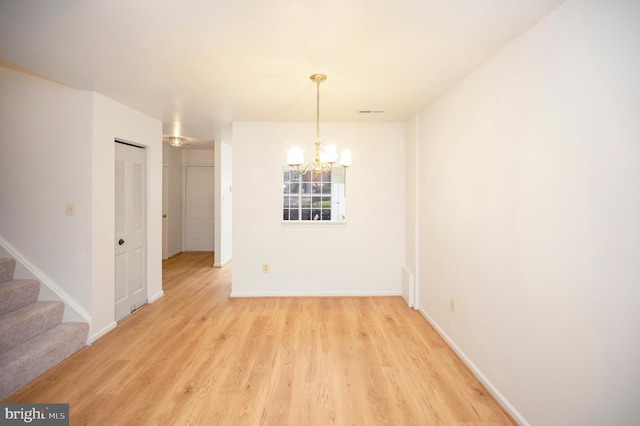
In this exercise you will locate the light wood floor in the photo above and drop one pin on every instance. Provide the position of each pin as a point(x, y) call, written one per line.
point(197, 357)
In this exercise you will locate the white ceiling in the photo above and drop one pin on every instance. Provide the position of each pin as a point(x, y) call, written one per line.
point(198, 65)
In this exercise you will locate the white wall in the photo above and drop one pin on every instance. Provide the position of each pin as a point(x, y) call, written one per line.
point(112, 120)
point(58, 147)
point(198, 157)
point(224, 202)
point(45, 147)
point(364, 256)
point(530, 216)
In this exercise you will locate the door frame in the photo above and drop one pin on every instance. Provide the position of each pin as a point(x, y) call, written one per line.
point(165, 210)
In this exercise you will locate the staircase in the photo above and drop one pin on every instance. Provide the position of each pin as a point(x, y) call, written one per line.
point(33, 337)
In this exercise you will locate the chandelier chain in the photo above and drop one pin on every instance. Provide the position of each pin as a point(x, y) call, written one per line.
point(318, 111)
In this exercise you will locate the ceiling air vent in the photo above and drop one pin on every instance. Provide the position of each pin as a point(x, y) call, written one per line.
point(371, 111)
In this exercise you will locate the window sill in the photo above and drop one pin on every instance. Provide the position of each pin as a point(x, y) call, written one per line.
point(312, 223)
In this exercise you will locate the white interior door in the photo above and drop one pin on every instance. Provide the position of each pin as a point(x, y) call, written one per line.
point(199, 202)
point(131, 229)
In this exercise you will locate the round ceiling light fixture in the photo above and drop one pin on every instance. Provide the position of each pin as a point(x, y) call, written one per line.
point(176, 141)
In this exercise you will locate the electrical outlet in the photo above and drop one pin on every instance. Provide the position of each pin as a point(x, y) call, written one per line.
point(265, 267)
point(453, 305)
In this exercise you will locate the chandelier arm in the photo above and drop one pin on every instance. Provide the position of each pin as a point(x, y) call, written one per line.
point(306, 168)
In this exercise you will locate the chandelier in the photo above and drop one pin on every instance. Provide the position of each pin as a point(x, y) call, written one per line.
point(324, 159)
point(176, 141)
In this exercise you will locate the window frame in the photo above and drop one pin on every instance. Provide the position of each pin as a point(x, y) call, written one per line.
point(330, 188)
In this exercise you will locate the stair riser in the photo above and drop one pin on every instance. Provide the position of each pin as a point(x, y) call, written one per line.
point(7, 269)
point(19, 326)
point(17, 294)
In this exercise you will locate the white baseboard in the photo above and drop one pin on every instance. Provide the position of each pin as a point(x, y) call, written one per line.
point(221, 264)
point(174, 253)
point(156, 296)
point(506, 405)
point(95, 336)
point(45, 280)
point(315, 294)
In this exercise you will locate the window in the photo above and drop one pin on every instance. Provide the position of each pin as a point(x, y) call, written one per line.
point(313, 196)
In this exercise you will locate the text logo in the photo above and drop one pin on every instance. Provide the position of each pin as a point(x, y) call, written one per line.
point(35, 414)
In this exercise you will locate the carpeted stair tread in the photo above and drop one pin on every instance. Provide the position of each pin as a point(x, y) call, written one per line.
point(7, 268)
point(22, 364)
point(15, 294)
point(22, 324)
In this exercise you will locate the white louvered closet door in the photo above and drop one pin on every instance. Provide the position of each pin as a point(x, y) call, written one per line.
point(130, 229)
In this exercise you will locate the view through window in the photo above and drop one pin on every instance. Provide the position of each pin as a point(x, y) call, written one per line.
point(314, 196)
